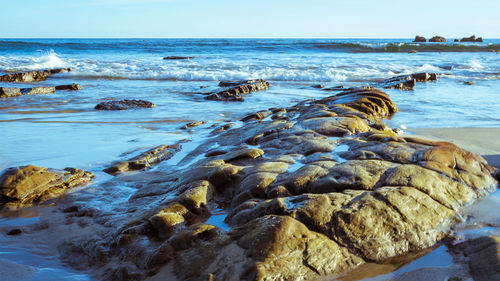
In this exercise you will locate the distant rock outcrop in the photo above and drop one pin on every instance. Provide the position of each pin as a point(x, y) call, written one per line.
point(177, 58)
point(437, 39)
point(419, 39)
point(471, 39)
point(407, 82)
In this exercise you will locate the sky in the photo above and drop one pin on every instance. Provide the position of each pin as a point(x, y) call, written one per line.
point(248, 19)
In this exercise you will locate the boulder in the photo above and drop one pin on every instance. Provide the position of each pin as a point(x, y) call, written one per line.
point(30, 185)
point(471, 39)
point(237, 89)
point(419, 39)
point(124, 104)
point(437, 39)
point(32, 76)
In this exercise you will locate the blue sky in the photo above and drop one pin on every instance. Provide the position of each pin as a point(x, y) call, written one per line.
point(248, 19)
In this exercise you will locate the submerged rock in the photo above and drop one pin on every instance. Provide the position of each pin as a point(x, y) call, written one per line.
point(471, 39)
point(32, 76)
point(407, 82)
point(144, 160)
point(317, 189)
point(30, 185)
point(124, 104)
point(419, 39)
point(437, 39)
point(237, 89)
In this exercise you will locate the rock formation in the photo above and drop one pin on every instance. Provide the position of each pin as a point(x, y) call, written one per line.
point(32, 76)
point(235, 90)
point(471, 39)
point(8, 92)
point(437, 39)
point(29, 185)
point(419, 39)
point(316, 189)
point(124, 104)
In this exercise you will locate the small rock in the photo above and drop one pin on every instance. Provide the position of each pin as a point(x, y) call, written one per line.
point(469, 83)
point(237, 89)
point(318, 86)
point(38, 90)
point(7, 92)
point(419, 39)
point(193, 124)
point(412, 52)
point(124, 104)
point(15, 231)
point(72, 87)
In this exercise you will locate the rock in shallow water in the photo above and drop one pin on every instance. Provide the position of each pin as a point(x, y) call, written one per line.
point(237, 89)
point(29, 185)
point(325, 187)
point(124, 104)
point(32, 76)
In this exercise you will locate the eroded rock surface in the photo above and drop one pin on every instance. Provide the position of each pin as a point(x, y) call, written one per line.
point(29, 185)
point(32, 76)
point(235, 90)
point(8, 92)
point(314, 190)
point(124, 104)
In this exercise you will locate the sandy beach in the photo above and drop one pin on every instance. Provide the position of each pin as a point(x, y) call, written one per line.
point(482, 141)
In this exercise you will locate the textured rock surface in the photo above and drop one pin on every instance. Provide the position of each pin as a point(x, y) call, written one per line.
point(29, 185)
point(32, 76)
point(316, 189)
point(124, 104)
point(7, 92)
point(237, 89)
point(71, 87)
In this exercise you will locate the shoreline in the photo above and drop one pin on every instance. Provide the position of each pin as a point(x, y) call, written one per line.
point(482, 141)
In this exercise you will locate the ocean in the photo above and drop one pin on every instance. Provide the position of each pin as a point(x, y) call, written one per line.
point(63, 129)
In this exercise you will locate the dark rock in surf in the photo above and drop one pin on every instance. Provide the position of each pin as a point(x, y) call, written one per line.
point(177, 58)
point(124, 104)
point(437, 39)
point(456, 40)
point(472, 39)
point(30, 185)
point(145, 160)
point(237, 89)
point(32, 76)
point(419, 39)
point(71, 87)
point(407, 82)
point(193, 124)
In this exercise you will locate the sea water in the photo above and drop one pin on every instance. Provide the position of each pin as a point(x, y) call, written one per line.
point(63, 129)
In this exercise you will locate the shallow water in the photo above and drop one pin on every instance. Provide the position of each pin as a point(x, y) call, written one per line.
point(63, 129)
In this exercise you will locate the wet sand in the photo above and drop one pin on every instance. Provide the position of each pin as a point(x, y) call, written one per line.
point(482, 141)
